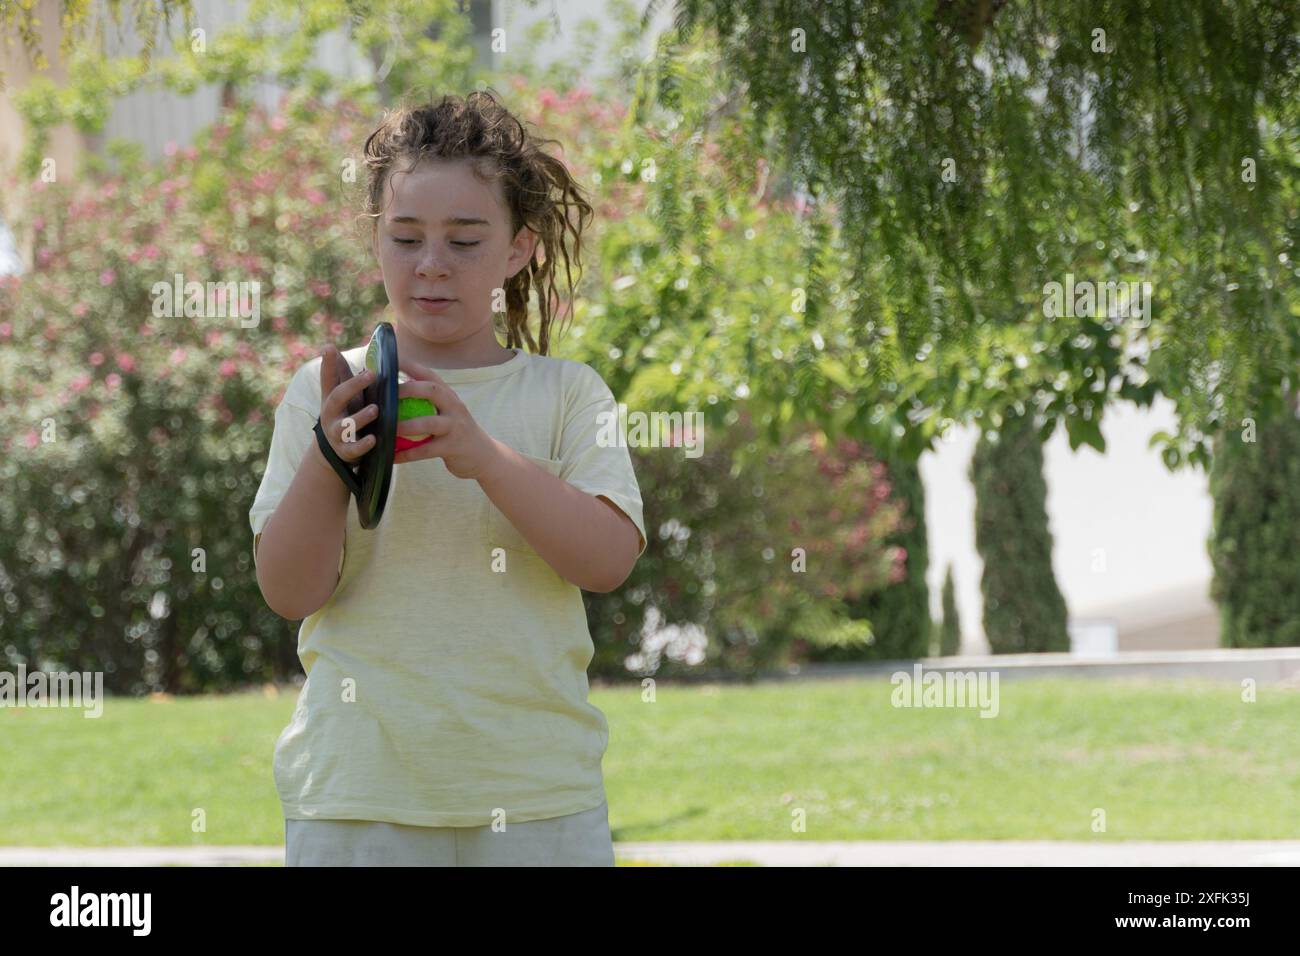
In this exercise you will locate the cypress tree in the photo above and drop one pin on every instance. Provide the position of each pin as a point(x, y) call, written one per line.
point(1255, 537)
point(950, 630)
point(1023, 607)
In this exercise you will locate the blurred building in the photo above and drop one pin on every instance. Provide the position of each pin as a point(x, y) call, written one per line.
point(154, 118)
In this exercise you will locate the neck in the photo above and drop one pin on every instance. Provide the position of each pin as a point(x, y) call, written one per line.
point(474, 352)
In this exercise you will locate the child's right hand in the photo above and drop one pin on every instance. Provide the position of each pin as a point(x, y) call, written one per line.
point(341, 404)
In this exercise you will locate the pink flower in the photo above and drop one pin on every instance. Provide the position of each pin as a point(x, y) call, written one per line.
point(336, 328)
point(113, 380)
point(44, 256)
point(31, 439)
point(80, 309)
point(546, 98)
point(263, 181)
point(254, 417)
point(38, 223)
point(315, 196)
point(277, 123)
point(6, 330)
point(96, 359)
point(79, 384)
point(227, 369)
point(107, 276)
point(170, 148)
point(213, 337)
point(125, 362)
point(151, 252)
point(133, 256)
point(189, 152)
point(177, 356)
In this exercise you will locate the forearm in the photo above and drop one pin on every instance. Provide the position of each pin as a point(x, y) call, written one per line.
point(298, 550)
point(586, 542)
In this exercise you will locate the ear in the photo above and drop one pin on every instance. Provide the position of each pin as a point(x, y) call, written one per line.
point(521, 250)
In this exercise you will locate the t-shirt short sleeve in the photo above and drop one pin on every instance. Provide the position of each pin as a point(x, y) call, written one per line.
point(295, 418)
point(594, 455)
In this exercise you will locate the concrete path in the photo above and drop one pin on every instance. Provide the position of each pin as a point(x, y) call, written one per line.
point(782, 853)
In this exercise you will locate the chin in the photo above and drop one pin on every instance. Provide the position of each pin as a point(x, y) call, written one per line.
point(431, 327)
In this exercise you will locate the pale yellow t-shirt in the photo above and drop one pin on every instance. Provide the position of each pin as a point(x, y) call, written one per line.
point(470, 683)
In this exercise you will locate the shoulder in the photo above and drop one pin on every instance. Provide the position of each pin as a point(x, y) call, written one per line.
point(577, 382)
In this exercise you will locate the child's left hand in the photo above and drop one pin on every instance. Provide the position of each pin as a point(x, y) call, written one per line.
point(465, 448)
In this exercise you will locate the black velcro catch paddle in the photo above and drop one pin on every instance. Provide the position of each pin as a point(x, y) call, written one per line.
point(373, 474)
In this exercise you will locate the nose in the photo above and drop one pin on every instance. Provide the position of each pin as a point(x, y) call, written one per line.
point(431, 262)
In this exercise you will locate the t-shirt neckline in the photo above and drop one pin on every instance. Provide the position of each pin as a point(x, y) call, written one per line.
point(460, 376)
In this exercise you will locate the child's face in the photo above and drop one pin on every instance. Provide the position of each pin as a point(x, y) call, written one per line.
point(432, 257)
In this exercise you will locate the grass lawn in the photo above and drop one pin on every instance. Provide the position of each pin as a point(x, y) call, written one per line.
point(1165, 761)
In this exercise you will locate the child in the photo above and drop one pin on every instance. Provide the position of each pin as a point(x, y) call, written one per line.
point(444, 719)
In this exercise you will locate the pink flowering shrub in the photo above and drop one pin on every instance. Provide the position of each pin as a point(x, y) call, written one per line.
point(135, 440)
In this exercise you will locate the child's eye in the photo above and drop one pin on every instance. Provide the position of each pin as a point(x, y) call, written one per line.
point(405, 242)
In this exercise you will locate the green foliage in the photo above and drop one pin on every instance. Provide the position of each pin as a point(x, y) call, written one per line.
point(1023, 608)
point(1256, 535)
point(761, 559)
point(900, 613)
point(1108, 157)
point(950, 629)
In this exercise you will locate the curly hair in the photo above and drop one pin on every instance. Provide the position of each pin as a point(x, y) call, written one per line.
point(539, 191)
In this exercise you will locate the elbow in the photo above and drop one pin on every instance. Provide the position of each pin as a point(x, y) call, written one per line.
point(622, 565)
point(614, 580)
point(285, 606)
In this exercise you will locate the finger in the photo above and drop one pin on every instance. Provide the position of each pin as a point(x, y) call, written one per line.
point(343, 395)
point(418, 372)
point(329, 372)
point(430, 390)
point(361, 419)
point(415, 370)
point(418, 453)
point(425, 425)
point(354, 450)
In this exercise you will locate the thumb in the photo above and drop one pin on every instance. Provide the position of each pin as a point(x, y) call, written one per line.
point(334, 370)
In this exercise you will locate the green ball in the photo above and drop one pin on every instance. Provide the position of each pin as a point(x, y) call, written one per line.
point(413, 408)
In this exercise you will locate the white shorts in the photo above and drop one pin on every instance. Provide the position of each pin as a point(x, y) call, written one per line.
point(579, 839)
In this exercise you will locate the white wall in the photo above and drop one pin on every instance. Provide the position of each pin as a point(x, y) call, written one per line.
point(1150, 525)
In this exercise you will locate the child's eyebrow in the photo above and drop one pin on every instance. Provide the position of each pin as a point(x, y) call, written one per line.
point(450, 221)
